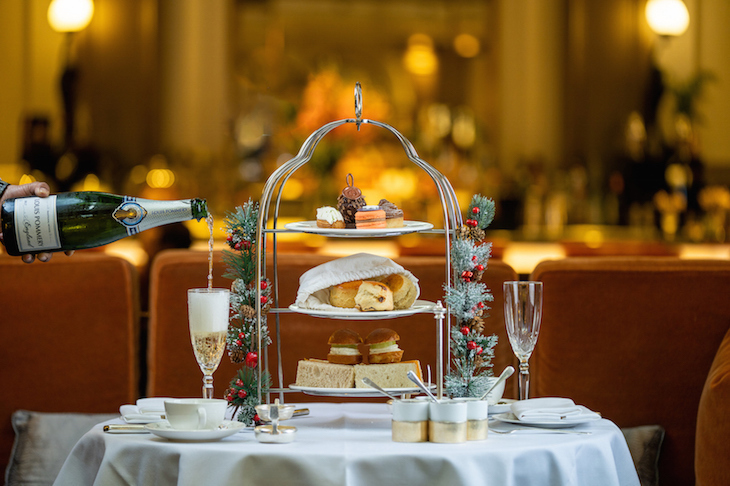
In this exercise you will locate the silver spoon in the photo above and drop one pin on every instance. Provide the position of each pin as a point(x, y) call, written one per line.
point(412, 376)
point(274, 417)
point(371, 383)
point(505, 374)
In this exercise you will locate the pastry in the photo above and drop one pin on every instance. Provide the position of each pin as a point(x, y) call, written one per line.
point(370, 217)
point(343, 347)
point(404, 290)
point(343, 295)
point(349, 202)
point(323, 374)
point(393, 375)
point(383, 347)
point(393, 214)
point(373, 296)
point(329, 217)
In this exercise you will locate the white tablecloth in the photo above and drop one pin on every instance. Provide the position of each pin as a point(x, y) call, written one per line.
point(350, 444)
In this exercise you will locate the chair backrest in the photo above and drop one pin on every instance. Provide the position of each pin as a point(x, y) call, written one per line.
point(171, 365)
point(69, 335)
point(633, 338)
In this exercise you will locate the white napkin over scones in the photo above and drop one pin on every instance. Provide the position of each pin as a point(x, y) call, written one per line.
point(314, 284)
point(145, 411)
point(552, 409)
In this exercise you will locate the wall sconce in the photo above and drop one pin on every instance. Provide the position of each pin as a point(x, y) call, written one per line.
point(70, 15)
point(667, 17)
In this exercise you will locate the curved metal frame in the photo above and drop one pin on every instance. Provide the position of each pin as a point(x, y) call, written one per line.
point(279, 178)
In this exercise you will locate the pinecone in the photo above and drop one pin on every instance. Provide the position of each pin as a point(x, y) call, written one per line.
point(236, 354)
point(474, 234)
point(248, 312)
point(477, 324)
point(350, 201)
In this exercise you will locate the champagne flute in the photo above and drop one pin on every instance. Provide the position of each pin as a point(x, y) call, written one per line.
point(208, 312)
point(522, 315)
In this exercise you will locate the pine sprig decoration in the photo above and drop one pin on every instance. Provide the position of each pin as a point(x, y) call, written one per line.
point(242, 394)
point(467, 298)
point(241, 340)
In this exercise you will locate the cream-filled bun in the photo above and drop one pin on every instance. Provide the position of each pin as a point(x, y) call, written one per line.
point(383, 347)
point(343, 347)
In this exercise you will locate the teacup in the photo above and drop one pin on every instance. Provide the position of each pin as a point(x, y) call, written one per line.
point(477, 414)
point(195, 413)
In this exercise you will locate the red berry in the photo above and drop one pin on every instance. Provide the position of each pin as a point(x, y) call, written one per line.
point(471, 345)
point(256, 418)
point(479, 267)
point(229, 398)
point(237, 246)
point(246, 244)
point(467, 275)
point(264, 285)
point(479, 350)
point(241, 335)
point(475, 210)
point(239, 382)
point(252, 359)
point(465, 330)
point(239, 342)
point(264, 300)
point(474, 259)
point(480, 305)
point(229, 237)
point(242, 394)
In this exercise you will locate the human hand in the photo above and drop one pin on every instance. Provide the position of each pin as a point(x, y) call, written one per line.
point(39, 189)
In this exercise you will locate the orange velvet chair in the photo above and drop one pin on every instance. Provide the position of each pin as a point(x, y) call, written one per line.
point(634, 338)
point(69, 334)
point(172, 367)
point(712, 461)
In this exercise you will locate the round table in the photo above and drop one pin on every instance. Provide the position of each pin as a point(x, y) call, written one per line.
point(350, 444)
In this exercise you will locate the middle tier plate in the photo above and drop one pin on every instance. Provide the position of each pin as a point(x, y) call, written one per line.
point(311, 227)
point(356, 315)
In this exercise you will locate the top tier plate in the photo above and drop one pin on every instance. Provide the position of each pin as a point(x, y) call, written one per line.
point(311, 227)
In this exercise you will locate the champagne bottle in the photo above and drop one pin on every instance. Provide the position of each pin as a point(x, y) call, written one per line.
point(78, 220)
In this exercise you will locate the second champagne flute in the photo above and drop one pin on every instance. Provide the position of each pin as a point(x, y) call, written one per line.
point(522, 316)
point(208, 312)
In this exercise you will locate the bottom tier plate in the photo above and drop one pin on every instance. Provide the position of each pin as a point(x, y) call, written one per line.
point(356, 392)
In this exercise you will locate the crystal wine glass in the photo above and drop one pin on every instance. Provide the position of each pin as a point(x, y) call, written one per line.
point(522, 315)
point(208, 311)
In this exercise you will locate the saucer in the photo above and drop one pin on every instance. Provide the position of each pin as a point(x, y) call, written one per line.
point(164, 429)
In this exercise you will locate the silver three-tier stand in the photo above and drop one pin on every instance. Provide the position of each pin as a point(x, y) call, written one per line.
point(272, 192)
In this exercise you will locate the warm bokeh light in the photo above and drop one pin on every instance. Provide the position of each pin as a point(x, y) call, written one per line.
point(26, 179)
point(667, 17)
point(160, 178)
point(70, 15)
point(466, 45)
point(420, 58)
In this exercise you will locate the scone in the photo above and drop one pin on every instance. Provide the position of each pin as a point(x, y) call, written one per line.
point(329, 217)
point(343, 295)
point(404, 290)
point(373, 296)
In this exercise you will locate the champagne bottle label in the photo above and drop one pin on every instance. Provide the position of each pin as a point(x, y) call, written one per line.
point(36, 225)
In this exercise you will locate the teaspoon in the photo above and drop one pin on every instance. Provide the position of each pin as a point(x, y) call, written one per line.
point(505, 374)
point(412, 376)
point(371, 383)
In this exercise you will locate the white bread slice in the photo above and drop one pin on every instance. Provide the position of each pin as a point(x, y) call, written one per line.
point(390, 375)
point(319, 373)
